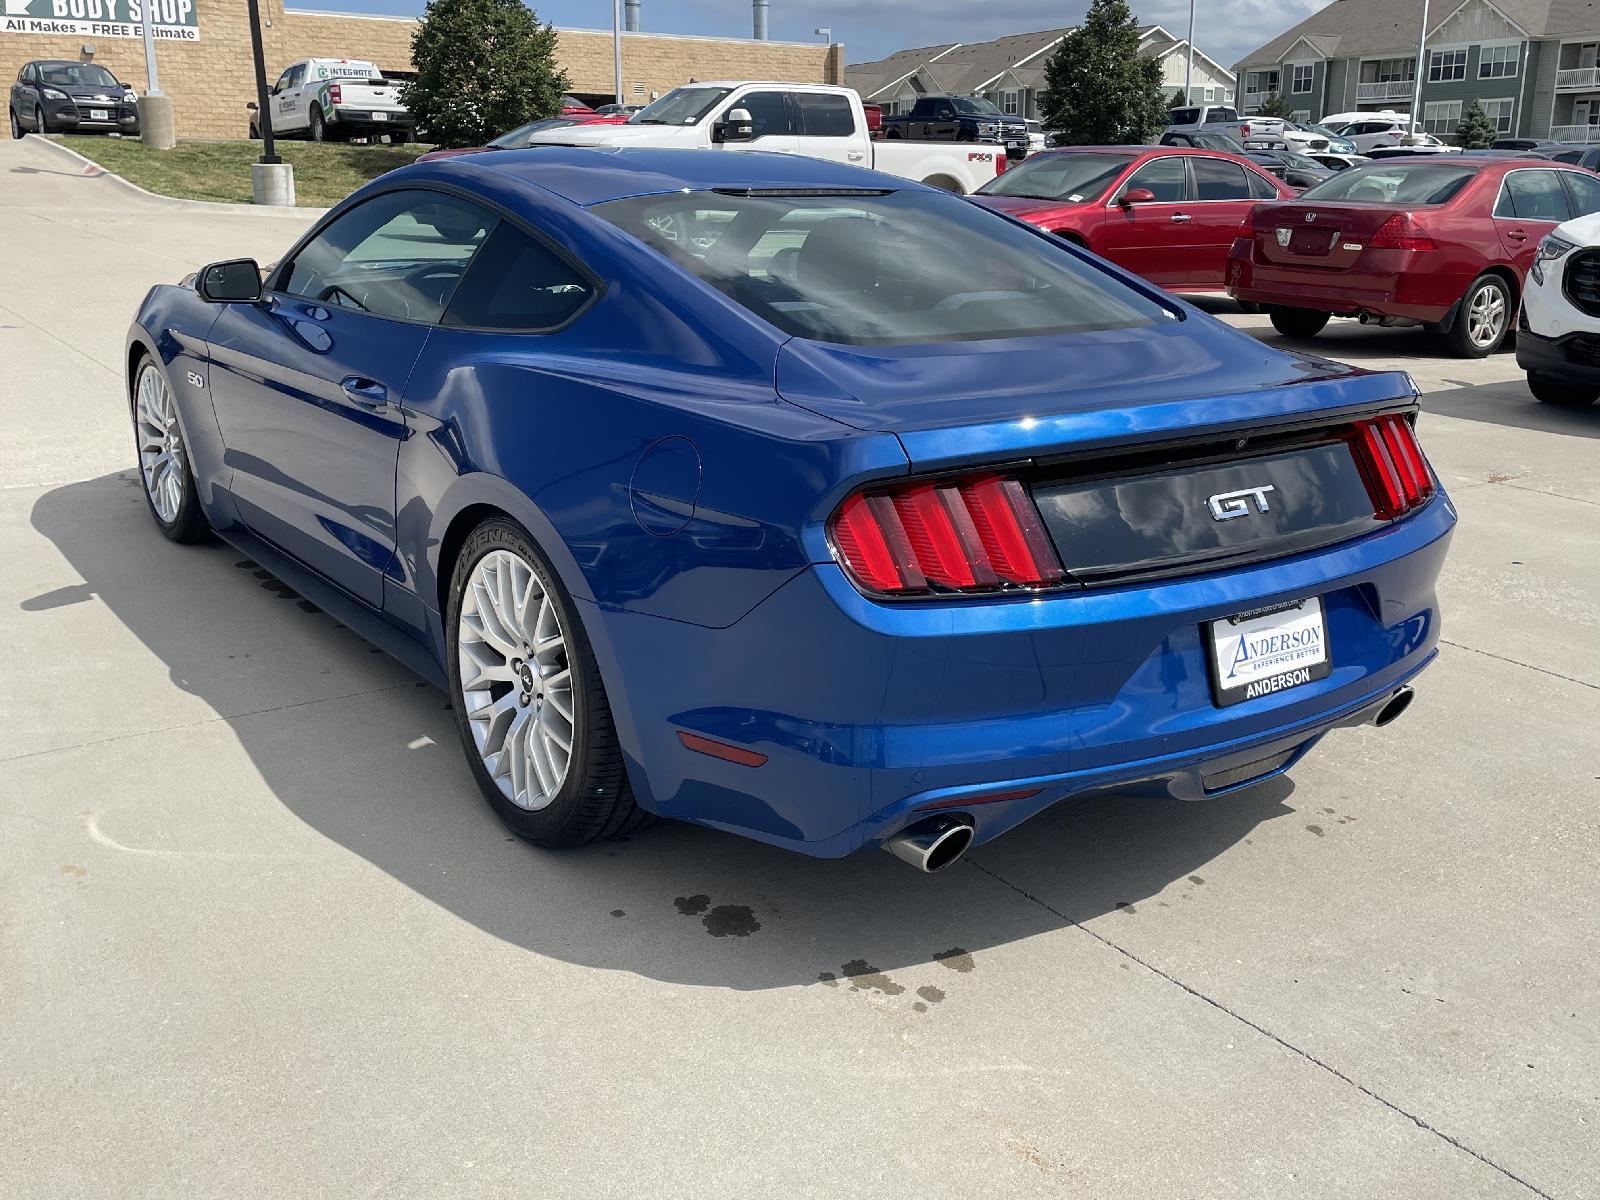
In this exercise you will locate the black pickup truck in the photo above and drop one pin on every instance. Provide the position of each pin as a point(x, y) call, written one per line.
point(959, 119)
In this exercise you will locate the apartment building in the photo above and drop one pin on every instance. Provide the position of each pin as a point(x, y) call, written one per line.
point(1532, 64)
point(1009, 71)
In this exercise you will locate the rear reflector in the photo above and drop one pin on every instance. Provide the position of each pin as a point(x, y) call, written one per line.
point(975, 533)
point(1391, 464)
point(733, 754)
point(989, 798)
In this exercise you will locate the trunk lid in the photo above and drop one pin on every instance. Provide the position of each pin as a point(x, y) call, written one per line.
point(1326, 236)
point(962, 403)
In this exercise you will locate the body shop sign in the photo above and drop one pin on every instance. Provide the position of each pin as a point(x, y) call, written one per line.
point(173, 20)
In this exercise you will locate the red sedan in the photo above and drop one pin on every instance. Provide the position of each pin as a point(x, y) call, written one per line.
point(1437, 241)
point(1166, 213)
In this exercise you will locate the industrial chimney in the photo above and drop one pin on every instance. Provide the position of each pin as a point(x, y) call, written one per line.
point(758, 14)
point(630, 15)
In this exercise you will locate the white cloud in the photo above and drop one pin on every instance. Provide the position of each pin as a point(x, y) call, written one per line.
point(1224, 29)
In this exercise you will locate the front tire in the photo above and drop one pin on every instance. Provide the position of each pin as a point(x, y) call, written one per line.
point(1298, 322)
point(164, 461)
point(530, 705)
point(1549, 390)
point(1483, 320)
point(17, 131)
point(39, 125)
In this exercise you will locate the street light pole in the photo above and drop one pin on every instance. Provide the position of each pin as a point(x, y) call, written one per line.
point(146, 24)
point(1416, 90)
point(1188, 70)
point(616, 44)
point(263, 112)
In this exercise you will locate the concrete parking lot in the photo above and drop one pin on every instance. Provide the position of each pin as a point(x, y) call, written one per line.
point(260, 936)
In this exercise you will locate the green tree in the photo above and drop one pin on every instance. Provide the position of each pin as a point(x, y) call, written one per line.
point(484, 67)
point(1274, 106)
point(1476, 131)
point(1098, 91)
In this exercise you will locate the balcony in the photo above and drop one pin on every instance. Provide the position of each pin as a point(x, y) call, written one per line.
point(1579, 79)
point(1397, 89)
point(1575, 133)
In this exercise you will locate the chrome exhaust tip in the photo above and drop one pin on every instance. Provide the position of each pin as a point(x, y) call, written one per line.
point(932, 844)
point(1396, 705)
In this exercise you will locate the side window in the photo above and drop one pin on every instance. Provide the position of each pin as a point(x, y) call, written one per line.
point(1591, 160)
point(283, 83)
point(1533, 196)
point(1585, 192)
point(823, 115)
point(1183, 116)
point(769, 112)
point(398, 255)
point(1166, 177)
point(1569, 156)
point(517, 283)
point(1261, 188)
point(1218, 180)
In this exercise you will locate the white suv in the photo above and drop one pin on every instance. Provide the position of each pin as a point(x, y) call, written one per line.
point(1558, 337)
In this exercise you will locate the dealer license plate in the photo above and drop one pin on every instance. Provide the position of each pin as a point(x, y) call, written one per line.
point(1266, 651)
point(99, 114)
point(380, 116)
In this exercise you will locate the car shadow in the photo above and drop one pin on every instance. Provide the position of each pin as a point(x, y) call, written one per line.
point(381, 775)
point(1511, 405)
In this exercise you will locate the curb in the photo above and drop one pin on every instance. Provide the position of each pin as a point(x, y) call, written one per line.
point(95, 171)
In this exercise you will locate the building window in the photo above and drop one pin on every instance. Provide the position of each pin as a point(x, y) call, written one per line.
point(1261, 82)
point(1008, 102)
point(1440, 117)
point(1497, 62)
point(1211, 94)
point(1303, 115)
point(1389, 70)
point(1500, 112)
point(1300, 80)
point(1445, 66)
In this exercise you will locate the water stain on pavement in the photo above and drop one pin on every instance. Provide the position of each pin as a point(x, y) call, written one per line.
point(76, 871)
point(1316, 829)
point(930, 993)
point(692, 906)
point(864, 977)
point(725, 920)
point(956, 959)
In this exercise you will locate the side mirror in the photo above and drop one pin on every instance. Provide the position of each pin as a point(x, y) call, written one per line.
point(1136, 196)
point(237, 281)
point(250, 107)
point(736, 126)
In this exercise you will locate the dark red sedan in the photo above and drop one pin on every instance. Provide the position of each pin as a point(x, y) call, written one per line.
point(1166, 213)
point(1441, 241)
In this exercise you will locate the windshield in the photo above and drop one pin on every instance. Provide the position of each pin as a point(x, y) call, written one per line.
point(1409, 183)
point(1074, 178)
point(77, 75)
point(876, 268)
point(968, 107)
point(1218, 141)
point(680, 106)
point(522, 135)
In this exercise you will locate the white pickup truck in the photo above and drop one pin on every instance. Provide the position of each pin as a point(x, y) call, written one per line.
point(1220, 118)
point(815, 120)
point(332, 99)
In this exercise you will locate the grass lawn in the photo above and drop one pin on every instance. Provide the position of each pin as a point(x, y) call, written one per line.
point(324, 173)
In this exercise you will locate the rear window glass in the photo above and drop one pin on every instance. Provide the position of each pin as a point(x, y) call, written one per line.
point(1395, 183)
point(877, 269)
point(1073, 178)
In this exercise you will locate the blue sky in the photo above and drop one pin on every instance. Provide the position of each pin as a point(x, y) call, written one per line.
point(1226, 29)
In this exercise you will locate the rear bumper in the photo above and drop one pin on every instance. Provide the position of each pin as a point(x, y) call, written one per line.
point(372, 120)
point(1395, 288)
point(869, 713)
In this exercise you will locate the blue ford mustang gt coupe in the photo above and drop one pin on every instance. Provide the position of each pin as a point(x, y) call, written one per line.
point(793, 499)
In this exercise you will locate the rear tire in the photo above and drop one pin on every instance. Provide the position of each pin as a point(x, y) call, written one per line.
point(540, 654)
point(1549, 390)
point(317, 130)
point(1483, 319)
point(1298, 322)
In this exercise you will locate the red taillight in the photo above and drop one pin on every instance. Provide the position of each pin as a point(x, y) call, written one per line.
point(1401, 232)
point(1244, 131)
point(1391, 465)
point(1247, 227)
point(975, 533)
point(335, 93)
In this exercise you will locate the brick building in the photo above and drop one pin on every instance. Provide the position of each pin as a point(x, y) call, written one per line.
point(205, 65)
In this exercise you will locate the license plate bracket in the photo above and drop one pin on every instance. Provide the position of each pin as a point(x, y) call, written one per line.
point(1266, 651)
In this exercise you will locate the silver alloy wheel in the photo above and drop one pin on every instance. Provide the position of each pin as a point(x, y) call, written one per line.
point(162, 460)
point(1486, 315)
point(516, 680)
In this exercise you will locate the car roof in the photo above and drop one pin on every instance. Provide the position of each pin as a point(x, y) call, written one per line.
point(65, 62)
point(588, 175)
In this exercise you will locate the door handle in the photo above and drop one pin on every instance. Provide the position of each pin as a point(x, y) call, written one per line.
point(1516, 235)
point(367, 394)
point(1180, 216)
point(856, 155)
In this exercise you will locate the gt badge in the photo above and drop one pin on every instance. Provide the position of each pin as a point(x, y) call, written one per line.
point(1225, 506)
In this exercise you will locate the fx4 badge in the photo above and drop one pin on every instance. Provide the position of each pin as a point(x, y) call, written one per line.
point(1225, 506)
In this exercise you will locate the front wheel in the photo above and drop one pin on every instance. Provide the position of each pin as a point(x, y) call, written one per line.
point(1483, 319)
point(1549, 390)
point(17, 132)
point(1298, 322)
point(164, 462)
point(39, 125)
point(529, 702)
